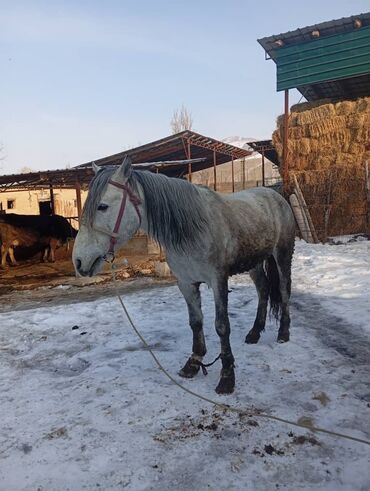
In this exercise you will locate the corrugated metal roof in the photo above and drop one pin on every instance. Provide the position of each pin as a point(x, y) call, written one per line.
point(169, 155)
point(301, 35)
point(315, 60)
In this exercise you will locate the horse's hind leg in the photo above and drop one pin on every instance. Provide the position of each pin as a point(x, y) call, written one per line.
point(227, 381)
point(192, 297)
point(259, 278)
point(283, 260)
point(4, 253)
point(11, 255)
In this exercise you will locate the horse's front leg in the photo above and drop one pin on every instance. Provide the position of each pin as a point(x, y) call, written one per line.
point(227, 381)
point(192, 297)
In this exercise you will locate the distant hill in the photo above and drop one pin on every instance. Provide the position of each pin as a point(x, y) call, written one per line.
point(241, 142)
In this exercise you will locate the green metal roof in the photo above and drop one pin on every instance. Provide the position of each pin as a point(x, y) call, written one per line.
point(335, 64)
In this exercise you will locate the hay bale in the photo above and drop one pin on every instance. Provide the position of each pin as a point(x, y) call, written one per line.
point(296, 132)
point(326, 126)
point(345, 107)
point(316, 115)
point(355, 121)
point(363, 105)
point(328, 145)
point(306, 106)
point(357, 149)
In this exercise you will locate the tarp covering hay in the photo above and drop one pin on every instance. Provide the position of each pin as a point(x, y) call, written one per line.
point(328, 147)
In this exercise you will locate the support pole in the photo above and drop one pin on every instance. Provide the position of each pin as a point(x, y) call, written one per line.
point(263, 167)
point(52, 201)
point(243, 173)
point(78, 201)
point(214, 171)
point(285, 142)
point(232, 174)
point(189, 164)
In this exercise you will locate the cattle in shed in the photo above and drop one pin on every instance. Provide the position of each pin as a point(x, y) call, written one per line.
point(50, 232)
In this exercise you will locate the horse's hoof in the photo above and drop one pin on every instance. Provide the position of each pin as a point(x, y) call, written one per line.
point(283, 337)
point(252, 338)
point(226, 384)
point(190, 369)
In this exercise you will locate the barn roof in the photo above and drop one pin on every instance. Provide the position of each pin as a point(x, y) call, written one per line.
point(180, 146)
point(267, 148)
point(326, 60)
point(171, 156)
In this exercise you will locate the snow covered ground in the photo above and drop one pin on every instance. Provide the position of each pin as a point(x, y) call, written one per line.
point(85, 408)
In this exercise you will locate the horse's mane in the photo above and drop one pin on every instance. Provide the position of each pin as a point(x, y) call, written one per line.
point(175, 210)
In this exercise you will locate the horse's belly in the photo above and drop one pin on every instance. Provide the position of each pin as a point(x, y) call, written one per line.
point(243, 263)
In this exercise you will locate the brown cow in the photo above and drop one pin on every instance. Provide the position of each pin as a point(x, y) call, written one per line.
point(12, 236)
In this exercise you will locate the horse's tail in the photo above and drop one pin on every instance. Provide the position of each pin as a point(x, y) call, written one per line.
point(272, 274)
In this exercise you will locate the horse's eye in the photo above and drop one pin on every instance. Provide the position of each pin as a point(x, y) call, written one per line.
point(102, 207)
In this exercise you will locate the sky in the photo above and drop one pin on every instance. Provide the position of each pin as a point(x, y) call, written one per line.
point(84, 79)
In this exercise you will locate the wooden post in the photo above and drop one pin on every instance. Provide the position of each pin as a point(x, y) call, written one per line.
point(263, 167)
point(78, 201)
point(285, 142)
point(243, 173)
point(214, 170)
point(52, 201)
point(232, 174)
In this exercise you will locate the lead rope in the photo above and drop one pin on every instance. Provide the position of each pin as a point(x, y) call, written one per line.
point(241, 412)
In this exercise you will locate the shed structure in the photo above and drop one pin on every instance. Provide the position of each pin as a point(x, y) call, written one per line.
point(325, 142)
point(177, 155)
point(330, 61)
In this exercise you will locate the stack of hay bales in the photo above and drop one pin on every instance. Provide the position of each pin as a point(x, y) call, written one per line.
point(328, 146)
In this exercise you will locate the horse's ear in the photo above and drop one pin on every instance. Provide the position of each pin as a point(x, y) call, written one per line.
point(95, 167)
point(124, 171)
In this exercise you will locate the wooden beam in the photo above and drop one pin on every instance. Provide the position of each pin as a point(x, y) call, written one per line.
point(78, 200)
point(52, 200)
point(304, 207)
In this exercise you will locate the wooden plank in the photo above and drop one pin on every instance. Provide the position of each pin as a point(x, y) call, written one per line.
point(304, 206)
point(301, 219)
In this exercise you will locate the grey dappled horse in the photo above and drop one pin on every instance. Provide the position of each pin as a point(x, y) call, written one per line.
point(207, 237)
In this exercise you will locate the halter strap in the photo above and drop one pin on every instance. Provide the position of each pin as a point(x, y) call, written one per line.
point(135, 201)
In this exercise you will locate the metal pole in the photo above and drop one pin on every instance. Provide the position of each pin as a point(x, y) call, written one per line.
point(214, 171)
point(78, 201)
point(232, 174)
point(189, 164)
point(263, 167)
point(52, 202)
point(285, 142)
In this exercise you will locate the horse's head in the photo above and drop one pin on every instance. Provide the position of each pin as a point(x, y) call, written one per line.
point(111, 216)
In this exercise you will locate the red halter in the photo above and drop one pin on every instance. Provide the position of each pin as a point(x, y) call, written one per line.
point(135, 200)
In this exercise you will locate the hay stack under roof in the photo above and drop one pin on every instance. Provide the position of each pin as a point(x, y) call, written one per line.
point(328, 145)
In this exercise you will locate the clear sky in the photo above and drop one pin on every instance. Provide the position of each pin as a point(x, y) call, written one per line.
point(84, 79)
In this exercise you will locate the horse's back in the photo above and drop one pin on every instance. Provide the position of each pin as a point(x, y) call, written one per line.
point(262, 204)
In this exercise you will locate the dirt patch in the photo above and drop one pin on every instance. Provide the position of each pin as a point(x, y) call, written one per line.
point(34, 284)
point(215, 424)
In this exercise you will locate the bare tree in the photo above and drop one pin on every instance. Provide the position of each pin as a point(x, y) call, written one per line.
point(181, 120)
point(25, 170)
